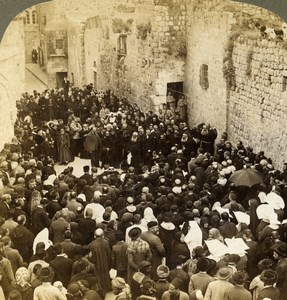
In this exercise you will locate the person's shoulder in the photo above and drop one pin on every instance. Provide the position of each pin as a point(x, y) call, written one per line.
point(184, 295)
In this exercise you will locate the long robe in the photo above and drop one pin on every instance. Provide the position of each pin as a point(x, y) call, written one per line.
point(101, 257)
point(63, 143)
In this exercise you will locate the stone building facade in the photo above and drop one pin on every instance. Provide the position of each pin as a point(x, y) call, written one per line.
point(31, 31)
point(134, 47)
point(236, 73)
point(223, 55)
point(12, 77)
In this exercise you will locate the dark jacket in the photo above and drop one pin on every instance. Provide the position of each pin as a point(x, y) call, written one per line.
point(23, 239)
point(63, 268)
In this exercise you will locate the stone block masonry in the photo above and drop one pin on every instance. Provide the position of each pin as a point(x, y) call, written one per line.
point(246, 93)
point(258, 107)
point(234, 77)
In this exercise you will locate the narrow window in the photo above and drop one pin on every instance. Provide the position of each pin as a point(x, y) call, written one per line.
point(34, 17)
point(203, 77)
point(122, 45)
point(27, 17)
point(284, 84)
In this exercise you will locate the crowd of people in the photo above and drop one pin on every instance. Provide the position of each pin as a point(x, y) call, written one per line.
point(148, 219)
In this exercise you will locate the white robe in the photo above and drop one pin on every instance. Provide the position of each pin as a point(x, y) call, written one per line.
point(193, 237)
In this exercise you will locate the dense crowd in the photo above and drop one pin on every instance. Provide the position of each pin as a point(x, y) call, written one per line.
point(148, 219)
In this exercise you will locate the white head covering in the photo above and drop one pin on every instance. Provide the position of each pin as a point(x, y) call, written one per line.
point(148, 215)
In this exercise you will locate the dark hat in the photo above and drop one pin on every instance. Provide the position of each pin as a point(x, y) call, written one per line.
point(40, 248)
point(143, 265)
point(86, 168)
point(265, 264)
point(203, 264)
point(134, 233)
point(46, 274)
point(152, 224)
point(224, 273)
point(269, 277)
point(148, 287)
point(177, 283)
point(198, 251)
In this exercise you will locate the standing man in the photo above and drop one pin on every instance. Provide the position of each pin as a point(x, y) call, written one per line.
point(93, 144)
point(101, 258)
point(138, 251)
point(216, 289)
point(156, 246)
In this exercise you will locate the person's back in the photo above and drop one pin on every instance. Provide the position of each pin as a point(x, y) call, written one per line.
point(216, 289)
point(61, 265)
point(200, 280)
point(46, 291)
point(237, 292)
point(119, 256)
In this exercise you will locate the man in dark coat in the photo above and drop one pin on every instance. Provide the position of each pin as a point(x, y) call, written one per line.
point(87, 227)
point(93, 145)
point(227, 228)
point(101, 257)
point(62, 265)
point(156, 246)
point(23, 239)
point(39, 219)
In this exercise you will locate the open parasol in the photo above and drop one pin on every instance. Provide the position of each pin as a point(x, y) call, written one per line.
point(246, 177)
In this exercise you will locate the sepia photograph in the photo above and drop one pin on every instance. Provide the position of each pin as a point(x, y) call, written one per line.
point(143, 150)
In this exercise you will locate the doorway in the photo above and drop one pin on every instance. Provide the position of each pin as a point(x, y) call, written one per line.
point(176, 89)
point(60, 78)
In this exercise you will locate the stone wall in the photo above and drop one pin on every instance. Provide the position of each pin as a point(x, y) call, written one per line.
point(243, 91)
point(207, 33)
point(31, 41)
point(155, 49)
point(76, 54)
point(12, 77)
point(258, 109)
point(56, 54)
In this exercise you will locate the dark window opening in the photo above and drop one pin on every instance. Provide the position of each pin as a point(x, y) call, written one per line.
point(203, 77)
point(284, 84)
point(59, 44)
point(122, 45)
point(60, 78)
point(34, 17)
point(269, 79)
point(175, 89)
point(27, 17)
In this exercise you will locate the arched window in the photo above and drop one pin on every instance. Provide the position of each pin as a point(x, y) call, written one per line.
point(34, 17)
point(27, 17)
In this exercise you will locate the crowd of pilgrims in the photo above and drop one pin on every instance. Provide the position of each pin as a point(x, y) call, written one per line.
point(136, 221)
